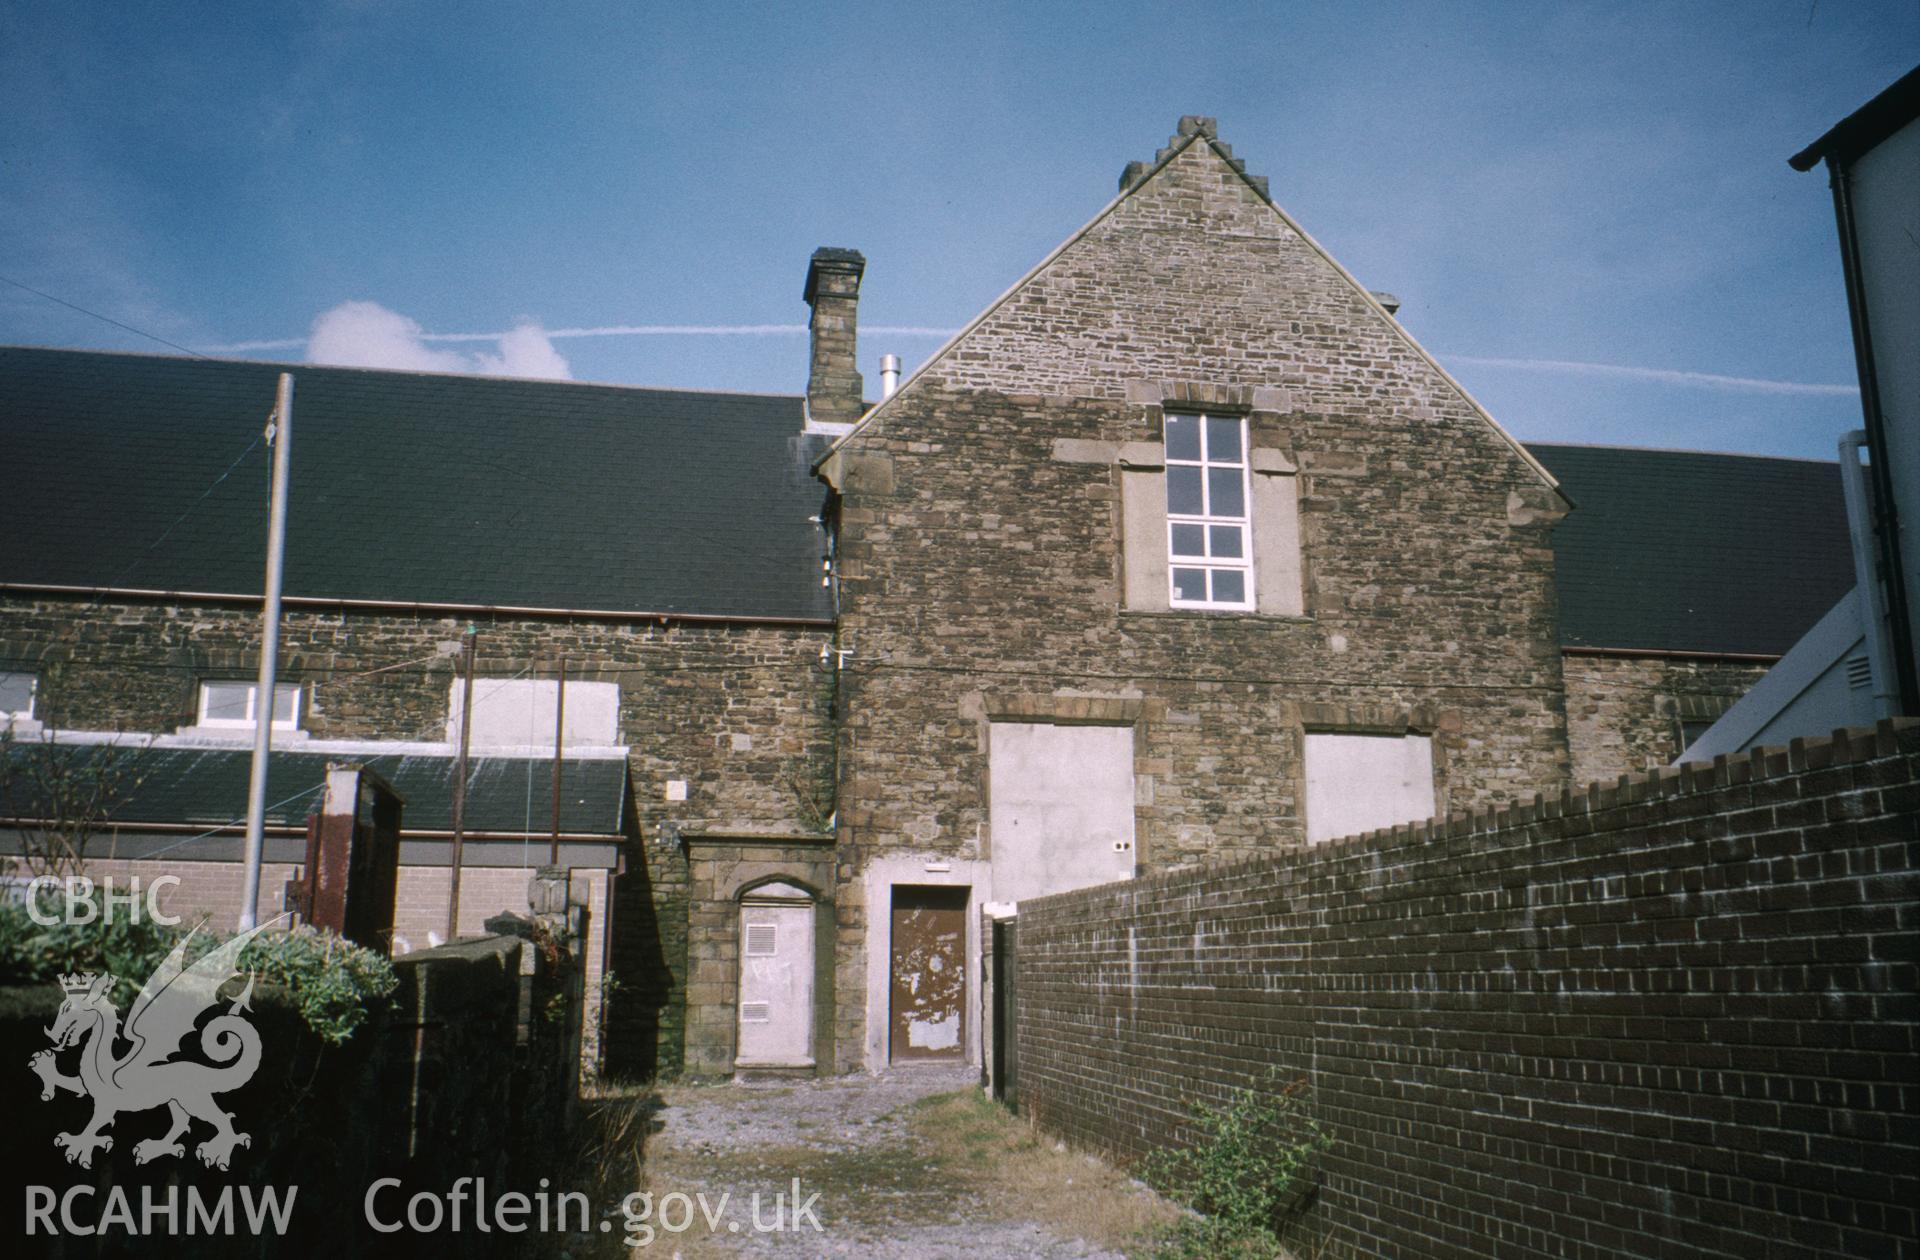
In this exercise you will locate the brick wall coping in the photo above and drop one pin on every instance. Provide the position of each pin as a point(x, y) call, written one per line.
point(1846, 745)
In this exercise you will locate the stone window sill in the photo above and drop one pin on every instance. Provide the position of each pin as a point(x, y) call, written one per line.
point(1218, 614)
point(240, 735)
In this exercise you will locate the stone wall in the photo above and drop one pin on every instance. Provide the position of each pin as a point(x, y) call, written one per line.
point(982, 561)
point(738, 712)
point(1673, 1016)
point(721, 867)
point(1624, 712)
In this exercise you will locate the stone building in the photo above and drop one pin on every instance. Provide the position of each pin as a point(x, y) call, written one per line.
point(1183, 549)
point(1683, 576)
point(666, 544)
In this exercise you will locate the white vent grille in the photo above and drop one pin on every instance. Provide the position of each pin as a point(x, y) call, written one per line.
point(756, 1012)
point(762, 940)
point(1859, 672)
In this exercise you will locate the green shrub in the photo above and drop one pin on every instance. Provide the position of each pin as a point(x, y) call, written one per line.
point(1249, 1169)
point(33, 953)
point(334, 984)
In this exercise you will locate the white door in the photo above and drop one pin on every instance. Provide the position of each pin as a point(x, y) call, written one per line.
point(776, 981)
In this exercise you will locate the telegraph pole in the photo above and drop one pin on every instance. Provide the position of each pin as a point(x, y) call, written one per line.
point(460, 783)
point(559, 735)
point(280, 438)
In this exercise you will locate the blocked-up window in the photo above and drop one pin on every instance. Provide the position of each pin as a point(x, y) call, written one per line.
point(519, 713)
point(1060, 806)
point(1358, 783)
point(16, 695)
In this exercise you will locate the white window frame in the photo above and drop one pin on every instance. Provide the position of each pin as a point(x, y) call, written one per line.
point(33, 694)
point(202, 719)
point(1207, 521)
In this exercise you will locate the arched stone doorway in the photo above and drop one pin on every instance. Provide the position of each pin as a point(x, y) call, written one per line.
point(776, 1009)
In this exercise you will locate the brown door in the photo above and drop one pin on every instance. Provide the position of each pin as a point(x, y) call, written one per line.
point(929, 973)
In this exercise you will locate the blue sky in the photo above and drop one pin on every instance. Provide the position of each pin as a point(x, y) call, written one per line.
point(1546, 186)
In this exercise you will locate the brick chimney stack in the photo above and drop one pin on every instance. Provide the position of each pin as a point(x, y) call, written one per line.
point(833, 380)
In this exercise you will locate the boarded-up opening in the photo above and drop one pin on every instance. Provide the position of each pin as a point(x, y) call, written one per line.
point(1060, 807)
point(776, 978)
point(1359, 783)
point(929, 944)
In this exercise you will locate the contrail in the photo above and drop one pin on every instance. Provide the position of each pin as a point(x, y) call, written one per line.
point(1708, 380)
point(1669, 376)
point(617, 330)
point(702, 330)
point(242, 347)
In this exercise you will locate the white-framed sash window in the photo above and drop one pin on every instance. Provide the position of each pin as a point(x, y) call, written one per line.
point(1209, 539)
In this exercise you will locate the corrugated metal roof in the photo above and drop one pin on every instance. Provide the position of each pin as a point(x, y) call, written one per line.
point(409, 487)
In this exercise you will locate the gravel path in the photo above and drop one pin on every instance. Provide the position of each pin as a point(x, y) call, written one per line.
point(884, 1189)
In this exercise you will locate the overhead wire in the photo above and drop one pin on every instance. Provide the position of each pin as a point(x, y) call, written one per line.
point(179, 520)
point(226, 826)
point(105, 319)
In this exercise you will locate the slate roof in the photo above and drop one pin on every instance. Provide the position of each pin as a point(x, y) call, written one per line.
point(512, 795)
point(422, 488)
point(1684, 551)
point(409, 487)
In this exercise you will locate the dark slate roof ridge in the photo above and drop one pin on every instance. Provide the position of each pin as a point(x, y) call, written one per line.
point(1892, 108)
point(1672, 450)
point(293, 366)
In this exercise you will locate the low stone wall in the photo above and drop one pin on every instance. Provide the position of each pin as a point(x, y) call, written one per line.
point(1675, 1016)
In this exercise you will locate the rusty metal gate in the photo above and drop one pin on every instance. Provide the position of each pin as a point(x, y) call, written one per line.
point(1004, 1068)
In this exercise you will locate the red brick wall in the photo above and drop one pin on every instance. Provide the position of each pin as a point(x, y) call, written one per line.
point(1676, 1016)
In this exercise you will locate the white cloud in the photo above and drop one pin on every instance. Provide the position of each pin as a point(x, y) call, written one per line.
point(526, 351)
point(367, 334)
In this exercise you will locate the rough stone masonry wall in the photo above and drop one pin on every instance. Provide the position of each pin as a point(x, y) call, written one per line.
point(1624, 712)
point(721, 868)
point(981, 575)
point(737, 711)
point(1676, 1016)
